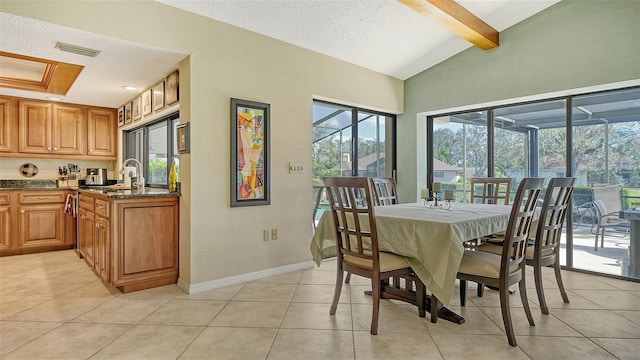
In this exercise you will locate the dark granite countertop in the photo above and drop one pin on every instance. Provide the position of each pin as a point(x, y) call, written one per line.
point(112, 193)
point(105, 191)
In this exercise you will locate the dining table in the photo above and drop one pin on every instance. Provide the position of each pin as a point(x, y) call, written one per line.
point(430, 238)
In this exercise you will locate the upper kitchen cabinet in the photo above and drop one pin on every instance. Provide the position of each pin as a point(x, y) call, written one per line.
point(46, 128)
point(6, 124)
point(101, 139)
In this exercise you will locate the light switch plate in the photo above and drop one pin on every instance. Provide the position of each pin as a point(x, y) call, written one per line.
point(296, 168)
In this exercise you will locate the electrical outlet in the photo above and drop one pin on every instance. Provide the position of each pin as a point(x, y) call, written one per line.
point(265, 235)
point(274, 234)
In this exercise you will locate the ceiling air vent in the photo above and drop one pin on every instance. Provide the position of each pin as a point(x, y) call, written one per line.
point(77, 49)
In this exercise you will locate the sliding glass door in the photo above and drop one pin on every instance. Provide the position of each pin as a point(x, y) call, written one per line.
point(594, 138)
point(348, 141)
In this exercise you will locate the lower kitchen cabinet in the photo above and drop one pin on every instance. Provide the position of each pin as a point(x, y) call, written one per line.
point(131, 243)
point(34, 221)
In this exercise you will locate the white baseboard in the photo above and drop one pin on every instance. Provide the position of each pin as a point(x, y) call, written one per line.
point(238, 279)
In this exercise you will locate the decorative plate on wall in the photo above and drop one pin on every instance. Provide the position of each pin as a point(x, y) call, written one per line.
point(29, 170)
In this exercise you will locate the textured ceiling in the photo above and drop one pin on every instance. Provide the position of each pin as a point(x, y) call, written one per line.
point(382, 35)
point(100, 82)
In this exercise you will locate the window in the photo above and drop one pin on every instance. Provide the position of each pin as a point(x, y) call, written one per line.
point(351, 142)
point(155, 146)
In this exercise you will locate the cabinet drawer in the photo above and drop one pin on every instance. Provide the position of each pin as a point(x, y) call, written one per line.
point(102, 208)
point(4, 198)
point(42, 197)
point(86, 202)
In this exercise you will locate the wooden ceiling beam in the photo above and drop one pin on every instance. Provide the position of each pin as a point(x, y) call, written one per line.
point(457, 19)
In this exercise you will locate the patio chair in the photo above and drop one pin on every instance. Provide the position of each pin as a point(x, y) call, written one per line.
point(607, 203)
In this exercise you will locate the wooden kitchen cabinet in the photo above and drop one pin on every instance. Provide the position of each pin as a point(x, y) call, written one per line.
point(41, 129)
point(102, 238)
point(46, 128)
point(101, 135)
point(5, 221)
point(86, 230)
point(68, 130)
point(34, 221)
point(41, 219)
point(131, 243)
point(6, 124)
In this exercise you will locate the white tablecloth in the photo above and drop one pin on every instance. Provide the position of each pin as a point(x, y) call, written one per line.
point(430, 239)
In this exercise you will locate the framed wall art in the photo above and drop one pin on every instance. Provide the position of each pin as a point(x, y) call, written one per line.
point(121, 116)
point(158, 96)
point(250, 155)
point(183, 138)
point(171, 88)
point(127, 113)
point(146, 102)
point(136, 110)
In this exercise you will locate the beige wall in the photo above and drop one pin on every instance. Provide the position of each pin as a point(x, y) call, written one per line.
point(219, 243)
point(571, 47)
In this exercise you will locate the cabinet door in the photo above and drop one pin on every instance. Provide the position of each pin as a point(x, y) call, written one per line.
point(5, 228)
point(35, 127)
point(101, 243)
point(41, 225)
point(86, 229)
point(5, 125)
point(67, 130)
point(101, 137)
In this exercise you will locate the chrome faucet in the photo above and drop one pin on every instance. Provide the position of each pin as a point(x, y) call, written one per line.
point(140, 184)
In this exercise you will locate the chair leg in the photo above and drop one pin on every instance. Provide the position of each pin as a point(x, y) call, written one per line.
point(463, 292)
point(337, 291)
point(347, 280)
point(434, 308)
point(602, 240)
point(525, 301)
point(480, 290)
point(376, 306)
point(506, 317)
point(556, 268)
point(537, 274)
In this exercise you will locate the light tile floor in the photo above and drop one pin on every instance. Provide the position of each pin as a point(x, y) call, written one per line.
point(53, 307)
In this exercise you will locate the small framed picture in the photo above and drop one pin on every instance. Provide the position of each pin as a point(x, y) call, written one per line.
point(127, 113)
point(121, 116)
point(171, 91)
point(158, 96)
point(146, 102)
point(183, 138)
point(136, 109)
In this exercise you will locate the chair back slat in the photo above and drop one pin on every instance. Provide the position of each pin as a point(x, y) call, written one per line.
point(384, 191)
point(491, 190)
point(351, 201)
point(522, 215)
point(553, 214)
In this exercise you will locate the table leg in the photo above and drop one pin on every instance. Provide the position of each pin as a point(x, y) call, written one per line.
point(443, 312)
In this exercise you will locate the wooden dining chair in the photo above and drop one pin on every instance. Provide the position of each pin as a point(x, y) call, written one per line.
point(506, 269)
point(384, 191)
point(544, 240)
point(491, 190)
point(352, 208)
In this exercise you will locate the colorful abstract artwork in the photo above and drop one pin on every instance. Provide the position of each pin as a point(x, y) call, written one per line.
point(250, 153)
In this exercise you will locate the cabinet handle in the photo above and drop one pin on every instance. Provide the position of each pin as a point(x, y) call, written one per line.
point(49, 148)
point(90, 150)
point(42, 197)
point(55, 149)
point(21, 211)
